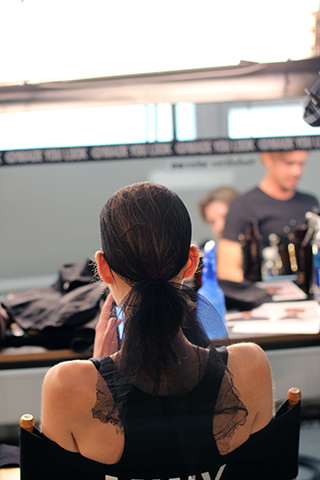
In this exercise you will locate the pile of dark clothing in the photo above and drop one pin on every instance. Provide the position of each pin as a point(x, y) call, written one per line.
point(61, 316)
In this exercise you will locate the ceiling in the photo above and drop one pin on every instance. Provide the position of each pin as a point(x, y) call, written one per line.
point(245, 81)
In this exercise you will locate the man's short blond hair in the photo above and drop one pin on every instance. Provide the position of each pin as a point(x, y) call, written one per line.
point(275, 155)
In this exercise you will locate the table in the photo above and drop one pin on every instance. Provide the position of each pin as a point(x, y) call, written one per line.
point(275, 342)
point(35, 357)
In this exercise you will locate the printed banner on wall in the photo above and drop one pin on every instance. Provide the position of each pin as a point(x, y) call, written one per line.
point(217, 146)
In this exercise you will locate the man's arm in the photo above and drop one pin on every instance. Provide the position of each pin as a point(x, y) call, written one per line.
point(229, 260)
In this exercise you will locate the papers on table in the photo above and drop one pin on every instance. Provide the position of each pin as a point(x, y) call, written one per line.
point(277, 318)
point(282, 290)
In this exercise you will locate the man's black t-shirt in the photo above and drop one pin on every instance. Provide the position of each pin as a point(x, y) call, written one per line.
point(272, 214)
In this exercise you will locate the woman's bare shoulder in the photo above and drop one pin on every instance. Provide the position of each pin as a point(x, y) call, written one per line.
point(68, 390)
point(247, 355)
point(245, 346)
point(250, 368)
point(65, 371)
point(68, 378)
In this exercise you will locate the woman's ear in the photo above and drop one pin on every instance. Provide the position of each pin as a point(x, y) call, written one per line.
point(103, 268)
point(192, 263)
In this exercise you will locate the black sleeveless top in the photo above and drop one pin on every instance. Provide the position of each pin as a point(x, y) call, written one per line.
point(168, 436)
point(174, 436)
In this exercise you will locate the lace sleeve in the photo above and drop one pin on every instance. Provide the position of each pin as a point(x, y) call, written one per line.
point(230, 413)
point(111, 395)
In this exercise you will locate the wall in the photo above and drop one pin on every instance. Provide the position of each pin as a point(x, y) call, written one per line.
point(49, 214)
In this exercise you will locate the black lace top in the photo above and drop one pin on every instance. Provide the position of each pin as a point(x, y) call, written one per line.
point(180, 430)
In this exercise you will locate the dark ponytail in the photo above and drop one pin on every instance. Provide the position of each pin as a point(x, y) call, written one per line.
point(155, 318)
point(145, 237)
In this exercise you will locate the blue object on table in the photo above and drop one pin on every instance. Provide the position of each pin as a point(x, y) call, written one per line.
point(211, 290)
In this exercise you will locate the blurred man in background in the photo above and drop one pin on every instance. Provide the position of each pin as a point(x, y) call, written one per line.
point(273, 204)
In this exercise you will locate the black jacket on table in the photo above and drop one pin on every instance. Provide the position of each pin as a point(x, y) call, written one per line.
point(61, 316)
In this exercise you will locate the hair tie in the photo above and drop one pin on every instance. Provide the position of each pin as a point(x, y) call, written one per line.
point(154, 283)
point(159, 282)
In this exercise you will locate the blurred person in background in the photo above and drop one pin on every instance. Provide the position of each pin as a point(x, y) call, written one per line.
point(273, 204)
point(214, 206)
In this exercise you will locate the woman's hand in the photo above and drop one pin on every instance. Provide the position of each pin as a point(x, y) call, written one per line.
point(106, 337)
